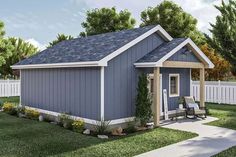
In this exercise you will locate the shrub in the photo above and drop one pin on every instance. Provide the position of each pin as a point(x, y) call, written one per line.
point(78, 125)
point(65, 121)
point(9, 108)
point(102, 127)
point(32, 114)
point(131, 127)
point(143, 101)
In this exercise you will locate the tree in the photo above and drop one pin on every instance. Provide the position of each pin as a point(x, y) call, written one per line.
point(5, 50)
point(60, 38)
point(19, 50)
point(174, 20)
point(143, 101)
point(5, 46)
point(224, 32)
point(2, 32)
point(221, 71)
point(107, 20)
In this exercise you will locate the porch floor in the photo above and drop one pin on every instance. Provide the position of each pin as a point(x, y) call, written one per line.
point(211, 140)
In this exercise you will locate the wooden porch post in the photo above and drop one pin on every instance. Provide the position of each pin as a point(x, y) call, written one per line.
point(202, 87)
point(156, 96)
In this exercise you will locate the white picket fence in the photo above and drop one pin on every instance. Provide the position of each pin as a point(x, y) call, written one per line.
point(216, 91)
point(9, 88)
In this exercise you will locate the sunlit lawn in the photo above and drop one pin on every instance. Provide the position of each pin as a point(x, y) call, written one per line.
point(25, 138)
point(227, 119)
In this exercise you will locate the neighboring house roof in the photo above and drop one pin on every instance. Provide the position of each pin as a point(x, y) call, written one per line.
point(161, 51)
point(90, 51)
point(156, 57)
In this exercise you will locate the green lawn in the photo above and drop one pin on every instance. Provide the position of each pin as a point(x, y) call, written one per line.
point(227, 119)
point(14, 99)
point(24, 138)
point(231, 152)
point(225, 113)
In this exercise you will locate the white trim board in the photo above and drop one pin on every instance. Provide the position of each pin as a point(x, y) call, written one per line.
point(104, 61)
point(188, 42)
point(86, 120)
point(92, 121)
point(178, 85)
point(102, 94)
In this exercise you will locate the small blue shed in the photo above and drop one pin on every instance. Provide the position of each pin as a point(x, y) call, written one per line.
point(95, 77)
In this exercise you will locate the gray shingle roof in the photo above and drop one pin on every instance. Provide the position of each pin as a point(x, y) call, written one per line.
point(161, 51)
point(91, 48)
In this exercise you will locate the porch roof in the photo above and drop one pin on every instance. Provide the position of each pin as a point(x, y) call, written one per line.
point(161, 51)
point(159, 56)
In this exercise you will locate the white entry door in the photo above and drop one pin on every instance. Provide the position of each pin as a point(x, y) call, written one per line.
point(150, 87)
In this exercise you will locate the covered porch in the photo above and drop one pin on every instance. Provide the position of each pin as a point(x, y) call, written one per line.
point(162, 81)
point(170, 63)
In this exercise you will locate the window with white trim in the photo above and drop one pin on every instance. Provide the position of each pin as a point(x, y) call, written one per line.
point(173, 85)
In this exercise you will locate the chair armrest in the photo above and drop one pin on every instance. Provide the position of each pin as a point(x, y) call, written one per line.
point(190, 109)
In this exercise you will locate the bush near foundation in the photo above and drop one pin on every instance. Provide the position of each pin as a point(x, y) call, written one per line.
point(78, 126)
point(32, 114)
point(9, 108)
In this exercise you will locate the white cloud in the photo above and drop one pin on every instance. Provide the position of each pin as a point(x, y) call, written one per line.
point(36, 44)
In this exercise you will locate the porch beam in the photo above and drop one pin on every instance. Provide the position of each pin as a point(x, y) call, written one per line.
point(156, 96)
point(180, 64)
point(202, 87)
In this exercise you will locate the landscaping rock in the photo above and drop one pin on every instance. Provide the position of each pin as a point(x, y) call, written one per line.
point(86, 132)
point(102, 136)
point(141, 128)
point(20, 115)
point(150, 125)
point(41, 118)
point(55, 123)
point(117, 131)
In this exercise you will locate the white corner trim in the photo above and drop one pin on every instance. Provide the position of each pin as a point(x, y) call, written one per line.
point(178, 85)
point(160, 62)
point(158, 28)
point(102, 94)
point(57, 65)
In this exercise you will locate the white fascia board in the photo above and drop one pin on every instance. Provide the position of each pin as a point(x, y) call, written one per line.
point(57, 65)
point(194, 46)
point(203, 56)
point(145, 64)
point(104, 61)
point(168, 55)
point(135, 41)
point(160, 62)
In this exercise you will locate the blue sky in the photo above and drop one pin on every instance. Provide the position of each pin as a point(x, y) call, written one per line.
point(39, 21)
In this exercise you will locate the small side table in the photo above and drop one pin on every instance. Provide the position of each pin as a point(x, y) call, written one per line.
point(180, 112)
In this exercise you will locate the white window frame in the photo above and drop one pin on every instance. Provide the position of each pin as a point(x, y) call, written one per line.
point(178, 85)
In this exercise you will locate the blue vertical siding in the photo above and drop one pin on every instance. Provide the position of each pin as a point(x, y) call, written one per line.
point(184, 84)
point(65, 90)
point(121, 79)
point(185, 55)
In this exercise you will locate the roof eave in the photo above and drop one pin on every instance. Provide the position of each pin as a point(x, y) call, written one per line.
point(58, 65)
